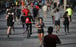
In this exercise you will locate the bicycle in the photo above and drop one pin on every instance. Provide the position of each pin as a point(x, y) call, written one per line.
point(28, 33)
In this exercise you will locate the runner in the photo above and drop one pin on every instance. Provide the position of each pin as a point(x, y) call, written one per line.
point(40, 26)
point(10, 21)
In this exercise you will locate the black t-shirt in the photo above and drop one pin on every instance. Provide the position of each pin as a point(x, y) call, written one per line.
point(35, 11)
point(10, 13)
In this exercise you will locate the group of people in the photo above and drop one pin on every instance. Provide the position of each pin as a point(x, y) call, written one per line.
point(27, 20)
point(66, 19)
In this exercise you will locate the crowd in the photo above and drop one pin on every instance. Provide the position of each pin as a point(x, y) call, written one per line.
point(27, 19)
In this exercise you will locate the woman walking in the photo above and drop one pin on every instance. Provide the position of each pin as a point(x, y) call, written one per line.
point(40, 26)
point(66, 21)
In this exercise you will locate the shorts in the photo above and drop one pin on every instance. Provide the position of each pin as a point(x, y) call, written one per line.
point(57, 22)
point(40, 31)
point(10, 23)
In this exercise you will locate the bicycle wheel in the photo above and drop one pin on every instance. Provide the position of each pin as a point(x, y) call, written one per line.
point(28, 33)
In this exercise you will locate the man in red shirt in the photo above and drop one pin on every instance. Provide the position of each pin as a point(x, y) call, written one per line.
point(51, 40)
point(25, 11)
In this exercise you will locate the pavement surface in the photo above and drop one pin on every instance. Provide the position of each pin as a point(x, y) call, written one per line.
point(18, 39)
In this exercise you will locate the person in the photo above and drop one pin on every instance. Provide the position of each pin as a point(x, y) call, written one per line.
point(40, 4)
point(25, 11)
point(40, 26)
point(10, 21)
point(51, 40)
point(44, 10)
point(23, 21)
point(70, 12)
point(52, 15)
point(55, 5)
point(48, 6)
point(22, 3)
point(28, 22)
point(66, 21)
point(35, 2)
point(17, 14)
point(57, 20)
point(32, 4)
point(35, 12)
point(7, 4)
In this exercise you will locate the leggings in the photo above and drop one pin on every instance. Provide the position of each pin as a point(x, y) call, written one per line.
point(30, 27)
point(66, 27)
point(70, 19)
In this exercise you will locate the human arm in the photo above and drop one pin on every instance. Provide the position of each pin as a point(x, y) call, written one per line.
point(37, 25)
point(44, 42)
point(58, 40)
point(7, 16)
point(69, 18)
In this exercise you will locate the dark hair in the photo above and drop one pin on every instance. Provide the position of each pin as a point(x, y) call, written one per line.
point(50, 30)
point(57, 10)
point(40, 18)
point(65, 14)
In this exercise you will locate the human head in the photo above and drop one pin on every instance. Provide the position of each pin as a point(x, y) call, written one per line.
point(65, 14)
point(40, 19)
point(57, 10)
point(50, 30)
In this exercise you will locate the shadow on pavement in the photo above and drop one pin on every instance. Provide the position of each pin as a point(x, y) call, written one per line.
point(66, 44)
point(12, 39)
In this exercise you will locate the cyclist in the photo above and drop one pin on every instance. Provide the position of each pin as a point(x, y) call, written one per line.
point(28, 21)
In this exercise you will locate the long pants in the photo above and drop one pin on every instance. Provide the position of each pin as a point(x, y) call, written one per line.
point(30, 27)
point(70, 19)
point(66, 27)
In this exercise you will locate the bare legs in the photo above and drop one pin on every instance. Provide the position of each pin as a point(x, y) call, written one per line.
point(57, 27)
point(9, 30)
point(41, 35)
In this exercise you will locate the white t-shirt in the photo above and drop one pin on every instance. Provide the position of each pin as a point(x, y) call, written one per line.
point(44, 8)
point(57, 16)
